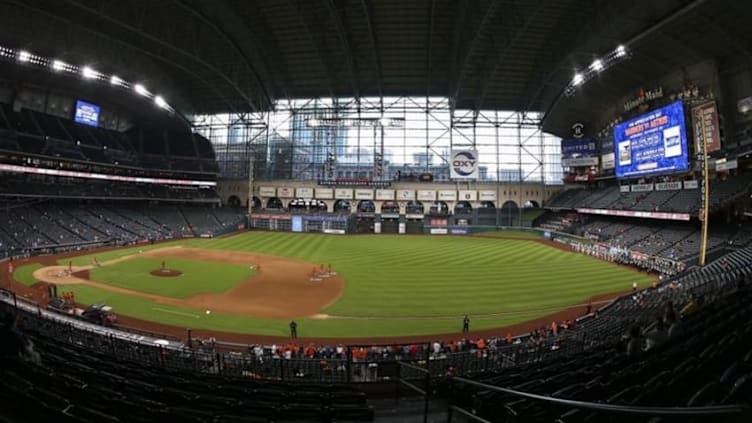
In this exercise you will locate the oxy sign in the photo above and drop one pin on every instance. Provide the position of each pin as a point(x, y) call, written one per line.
point(463, 164)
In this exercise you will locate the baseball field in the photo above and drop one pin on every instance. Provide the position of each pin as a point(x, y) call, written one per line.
point(378, 286)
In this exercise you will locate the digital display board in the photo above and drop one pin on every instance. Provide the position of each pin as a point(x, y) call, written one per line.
point(652, 143)
point(578, 147)
point(86, 113)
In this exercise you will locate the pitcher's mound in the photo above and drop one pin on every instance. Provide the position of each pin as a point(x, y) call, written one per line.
point(168, 273)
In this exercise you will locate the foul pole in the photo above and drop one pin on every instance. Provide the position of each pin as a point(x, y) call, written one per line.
point(705, 193)
point(250, 190)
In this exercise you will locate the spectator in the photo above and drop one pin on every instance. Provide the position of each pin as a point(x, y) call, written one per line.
point(657, 336)
point(692, 306)
point(13, 343)
point(674, 325)
point(634, 344)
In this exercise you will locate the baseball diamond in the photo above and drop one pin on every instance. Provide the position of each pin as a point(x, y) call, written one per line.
point(386, 286)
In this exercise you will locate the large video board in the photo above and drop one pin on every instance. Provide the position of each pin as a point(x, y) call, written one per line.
point(86, 113)
point(653, 143)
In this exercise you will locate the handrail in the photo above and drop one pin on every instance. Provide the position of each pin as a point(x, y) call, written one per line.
point(711, 410)
point(414, 367)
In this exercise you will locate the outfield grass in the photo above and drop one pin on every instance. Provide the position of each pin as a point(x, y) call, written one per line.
point(403, 280)
point(198, 276)
point(25, 274)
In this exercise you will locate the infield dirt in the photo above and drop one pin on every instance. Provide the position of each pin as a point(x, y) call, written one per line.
point(280, 288)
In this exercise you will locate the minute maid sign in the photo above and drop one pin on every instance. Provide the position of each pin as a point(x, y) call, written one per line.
point(463, 164)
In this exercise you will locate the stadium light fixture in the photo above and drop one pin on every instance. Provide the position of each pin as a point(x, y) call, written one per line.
point(159, 101)
point(597, 65)
point(577, 79)
point(24, 56)
point(59, 65)
point(621, 51)
point(313, 122)
point(89, 73)
point(141, 90)
point(384, 122)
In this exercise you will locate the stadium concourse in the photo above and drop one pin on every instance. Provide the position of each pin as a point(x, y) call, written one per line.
point(622, 131)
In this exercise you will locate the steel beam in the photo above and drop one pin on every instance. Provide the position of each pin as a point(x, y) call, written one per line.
point(429, 47)
point(488, 16)
point(152, 54)
point(500, 57)
point(301, 14)
point(636, 39)
point(344, 40)
point(244, 59)
point(460, 17)
point(251, 103)
point(375, 46)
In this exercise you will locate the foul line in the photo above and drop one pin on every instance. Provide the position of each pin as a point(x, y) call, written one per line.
point(455, 316)
point(175, 312)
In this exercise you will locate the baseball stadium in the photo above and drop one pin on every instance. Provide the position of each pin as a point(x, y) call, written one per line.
point(375, 211)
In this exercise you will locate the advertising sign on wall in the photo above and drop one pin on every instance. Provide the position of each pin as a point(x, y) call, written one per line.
point(642, 187)
point(667, 186)
point(267, 191)
point(306, 193)
point(385, 194)
point(448, 195)
point(324, 193)
point(705, 121)
point(343, 194)
point(487, 195)
point(578, 147)
point(468, 195)
point(286, 192)
point(364, 194)
point(424, 195)
point(463, 164)
point(607, 161)
point(579, 161)
point(690, 184)
point(405, 195)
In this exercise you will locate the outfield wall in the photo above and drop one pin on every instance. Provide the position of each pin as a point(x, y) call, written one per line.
point(474, 193)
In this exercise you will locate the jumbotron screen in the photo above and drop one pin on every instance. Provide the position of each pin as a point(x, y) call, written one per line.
point(86, 113)
point(652, 143)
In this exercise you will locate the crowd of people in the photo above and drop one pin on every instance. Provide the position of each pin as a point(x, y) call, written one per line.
point(437, 349)
point(662, 266)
